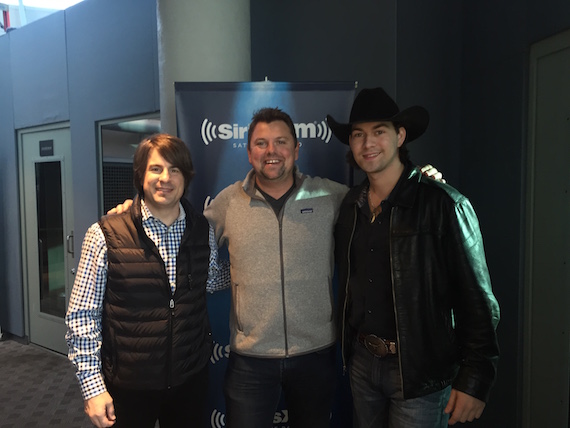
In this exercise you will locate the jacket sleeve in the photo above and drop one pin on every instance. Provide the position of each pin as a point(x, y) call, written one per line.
point(476, 310)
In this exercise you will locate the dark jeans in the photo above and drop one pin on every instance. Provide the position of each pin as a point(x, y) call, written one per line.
point(378, 398)
point(179, 407)
point(253, 389)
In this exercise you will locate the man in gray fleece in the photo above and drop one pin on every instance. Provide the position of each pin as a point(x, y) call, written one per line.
point(278, 226)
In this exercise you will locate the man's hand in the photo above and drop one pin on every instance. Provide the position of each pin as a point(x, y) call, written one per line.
point(432, 172)
point(121, 208)
point(463, 407)
point(100, 410)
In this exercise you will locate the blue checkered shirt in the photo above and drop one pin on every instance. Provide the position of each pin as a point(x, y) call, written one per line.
point(83, 317)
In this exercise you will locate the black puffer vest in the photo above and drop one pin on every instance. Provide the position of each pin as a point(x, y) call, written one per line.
point(153, 340)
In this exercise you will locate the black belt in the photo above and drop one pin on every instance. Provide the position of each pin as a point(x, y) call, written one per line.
point(378, 346)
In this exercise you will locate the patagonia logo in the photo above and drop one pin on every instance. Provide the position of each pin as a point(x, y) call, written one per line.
point(306, 211)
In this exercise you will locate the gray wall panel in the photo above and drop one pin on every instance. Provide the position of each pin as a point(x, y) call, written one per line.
point(112, 56)
point(39, 72)
point(11, 291)
point(113, 72)
point(105, 53)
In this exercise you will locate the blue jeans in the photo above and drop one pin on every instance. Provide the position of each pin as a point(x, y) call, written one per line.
point(253, 387)
point(378, 398)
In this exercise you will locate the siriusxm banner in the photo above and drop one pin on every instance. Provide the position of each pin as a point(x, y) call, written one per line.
point(213, 119)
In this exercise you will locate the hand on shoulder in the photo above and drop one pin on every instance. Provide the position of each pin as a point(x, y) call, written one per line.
point(121, 208)
point(432, 172)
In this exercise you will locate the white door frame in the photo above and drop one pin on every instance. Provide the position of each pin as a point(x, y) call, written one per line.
point(42, 327)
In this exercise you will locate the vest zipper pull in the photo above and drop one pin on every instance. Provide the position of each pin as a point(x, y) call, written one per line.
point(171, 303)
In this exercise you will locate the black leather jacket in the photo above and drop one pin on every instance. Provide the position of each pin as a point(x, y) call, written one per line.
point(446, 313)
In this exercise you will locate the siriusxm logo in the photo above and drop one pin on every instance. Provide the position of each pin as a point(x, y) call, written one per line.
point(228, 131)
point(280, 419)
point(217, 419)
point(219, 352)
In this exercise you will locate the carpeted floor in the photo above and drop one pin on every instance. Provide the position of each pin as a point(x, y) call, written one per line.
point(38, 388)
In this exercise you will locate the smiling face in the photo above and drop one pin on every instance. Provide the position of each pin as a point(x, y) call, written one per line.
point(375, 145)
point(272, 153)
point(163, 184)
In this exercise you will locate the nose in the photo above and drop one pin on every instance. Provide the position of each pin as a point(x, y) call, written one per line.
point(367, 140)
point(165, 175)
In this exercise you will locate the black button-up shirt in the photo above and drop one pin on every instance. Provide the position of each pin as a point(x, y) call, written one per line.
point(372, 309)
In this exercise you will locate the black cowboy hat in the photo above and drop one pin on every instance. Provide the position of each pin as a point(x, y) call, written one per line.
point(375, 105)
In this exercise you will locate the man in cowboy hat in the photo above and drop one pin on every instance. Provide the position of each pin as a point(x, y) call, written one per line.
point(417, 313)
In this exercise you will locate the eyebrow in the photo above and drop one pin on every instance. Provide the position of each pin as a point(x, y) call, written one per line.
point(150, 165)
point(279, 137)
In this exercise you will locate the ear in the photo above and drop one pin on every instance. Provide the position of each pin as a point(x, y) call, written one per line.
point(249, 156)
point(401, 136)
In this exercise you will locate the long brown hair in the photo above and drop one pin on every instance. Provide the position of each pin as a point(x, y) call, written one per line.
point(171, 148)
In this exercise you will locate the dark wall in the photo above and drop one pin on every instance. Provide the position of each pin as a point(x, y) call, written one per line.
point(496, 45)
point(467, 62)
point(315, 41)
point(546, 18)
point(493, 144)
point(376, 43)
point(428, 73)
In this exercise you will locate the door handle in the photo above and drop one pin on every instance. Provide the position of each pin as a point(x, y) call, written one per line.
point(69, 239)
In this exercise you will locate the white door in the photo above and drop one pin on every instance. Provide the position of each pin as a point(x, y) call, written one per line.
point(547, 276)
point(47, 231)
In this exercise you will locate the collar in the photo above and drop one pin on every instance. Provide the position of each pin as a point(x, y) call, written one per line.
point(250, 188)
point(403, 193)
point(146, 214)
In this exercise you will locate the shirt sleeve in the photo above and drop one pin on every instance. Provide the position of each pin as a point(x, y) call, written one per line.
point(218, 270)
point(83, 316)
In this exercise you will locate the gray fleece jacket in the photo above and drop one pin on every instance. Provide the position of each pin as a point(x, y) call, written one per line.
point(281, 266)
